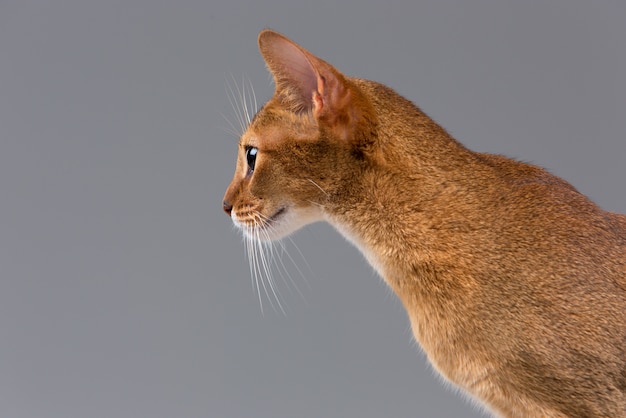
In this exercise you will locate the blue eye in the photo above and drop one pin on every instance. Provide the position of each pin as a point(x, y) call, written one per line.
point(251, 157)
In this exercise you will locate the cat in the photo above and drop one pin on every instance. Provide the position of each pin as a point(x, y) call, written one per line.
point(514, 282)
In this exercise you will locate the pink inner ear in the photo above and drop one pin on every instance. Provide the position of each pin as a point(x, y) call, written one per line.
point(292, 69)
point(300, 69)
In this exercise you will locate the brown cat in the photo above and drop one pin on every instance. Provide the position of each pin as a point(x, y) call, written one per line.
point(514, 282)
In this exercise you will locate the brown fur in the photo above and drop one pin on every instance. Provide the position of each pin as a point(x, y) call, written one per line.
point(514, 282)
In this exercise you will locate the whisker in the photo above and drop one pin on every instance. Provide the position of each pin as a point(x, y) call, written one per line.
point(286, 277)
point(281, 268)
point(319, 187)
point(259, 267)
point(262, 267)
point(266, 265)
point(316, 204)
point(234, 102)
point(244, 102)
point(233, 130)
point(291, 259)
point(266, 260)
point(251, 249)
point(255, 263)
point(296, 264)
point(256, 106)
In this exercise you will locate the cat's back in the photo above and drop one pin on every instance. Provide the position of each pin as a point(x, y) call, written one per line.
point(552, 272)
point(538, 210)
point(536, 194)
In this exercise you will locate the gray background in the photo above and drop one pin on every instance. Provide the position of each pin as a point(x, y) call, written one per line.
point(124, 290)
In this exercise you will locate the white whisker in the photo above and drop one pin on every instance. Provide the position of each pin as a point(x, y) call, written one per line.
point(294, 262)
point(267, 266)
point(319, 187)
point(283, 268)
point(262, 271)
point(256, 106)
point(234, 100)
point(251, 250)
point(244, 102)
point(316, 204)
point(233, 130)
point(266, 262)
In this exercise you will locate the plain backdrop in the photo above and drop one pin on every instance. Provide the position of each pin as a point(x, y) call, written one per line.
point(124, 289)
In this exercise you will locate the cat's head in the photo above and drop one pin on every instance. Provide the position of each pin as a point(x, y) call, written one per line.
point(303, 149)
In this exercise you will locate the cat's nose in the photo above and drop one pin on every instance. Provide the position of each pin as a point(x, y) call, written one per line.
point(228, 208)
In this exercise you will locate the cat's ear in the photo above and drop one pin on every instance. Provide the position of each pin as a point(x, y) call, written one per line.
point(305, 82)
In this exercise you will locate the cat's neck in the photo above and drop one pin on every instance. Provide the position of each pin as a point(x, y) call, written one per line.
point(403, 214)
point(410, 138)
point(401, 197)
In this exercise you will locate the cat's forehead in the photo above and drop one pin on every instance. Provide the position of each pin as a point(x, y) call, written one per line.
point(272, 125)
point(276, 114)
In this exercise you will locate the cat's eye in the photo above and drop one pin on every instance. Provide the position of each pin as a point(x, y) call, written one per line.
point(251, 157)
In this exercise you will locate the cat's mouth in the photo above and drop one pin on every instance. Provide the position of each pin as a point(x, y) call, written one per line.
point(277, 215)
point(273, 225)
point(252, 222)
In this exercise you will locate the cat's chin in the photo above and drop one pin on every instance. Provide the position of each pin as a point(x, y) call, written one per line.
point(283, 222)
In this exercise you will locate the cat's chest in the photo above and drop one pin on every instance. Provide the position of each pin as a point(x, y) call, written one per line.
point(447, 341)
point(440, 325)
